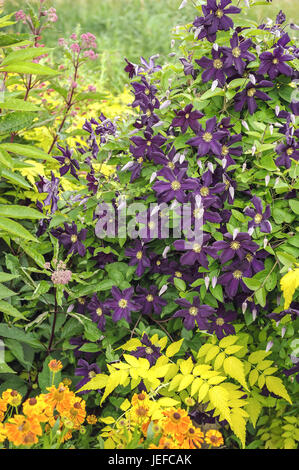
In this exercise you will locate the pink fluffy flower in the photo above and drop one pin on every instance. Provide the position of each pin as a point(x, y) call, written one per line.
point(61, 276)
point(52, 16)
point(20, 16)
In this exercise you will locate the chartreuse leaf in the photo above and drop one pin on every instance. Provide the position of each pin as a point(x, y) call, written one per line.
point(186, 366)
point(16, 229)
point(275, 385)
point(97, 382)
point(235, 369)
point(238, 424)
point(289, 283)
point(254, 409)
point(174, 348)
point(219, 399)
point(228, 341)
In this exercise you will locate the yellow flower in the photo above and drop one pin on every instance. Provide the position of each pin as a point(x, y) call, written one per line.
point(2, 432)
point(55, 366)
point(177, 421)
point(23, 431)
point(36, 406)
point(12, 397)
point(214, 438)
point(91, 419)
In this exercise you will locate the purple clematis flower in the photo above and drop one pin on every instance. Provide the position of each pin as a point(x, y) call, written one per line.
point(69, 163)
point(148, 67)
point(232, 278)
point(52, 188)
point(208, 140)
point(194, 312)
point(188, 68)
point(175, 186)
point(138, 256)
point(215, 68)
point(259, 219)
point(71, 239)
point(239, 245)
point(149, 351)
point(196, 252)
point(130, 69)
point(221, 322)
point(287, 151)
point(145, 95)
point(122, 304)
point(149, 147)
point(247, 97)
point(215, 18)
point(227, 150)
point(93, 183)
point(255, 262)
point(238, 53)
point(87, 371)
point(273, 63)
point(150, 300)
point(81, 305)
point(187, 118)
point(97, 310)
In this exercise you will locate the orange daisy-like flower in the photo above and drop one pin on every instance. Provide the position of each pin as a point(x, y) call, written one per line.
point(178, 421)
point(193, 438)
point(91, 419)
point(76, 413)
point(139, 413)
point(140, 399)
point(214, 438)
point(12, 397)
point(60, 398)
point(36, 406)
point(3, 408)
point(164, 443)
point(22, 431)
point(2, 433)
point(55, 366)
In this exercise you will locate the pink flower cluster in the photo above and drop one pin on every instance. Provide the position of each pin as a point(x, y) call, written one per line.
point(20, 16)
point(61, 276)
point(88, 41)
point(91, 54)
point(52, 16)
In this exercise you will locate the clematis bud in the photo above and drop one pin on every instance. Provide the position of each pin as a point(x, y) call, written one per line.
point(214, 85)
point(252, 79)
point(244, 123)
point(207, 282)
point(215, 46)
point(254, 312)
point(267, 180)
point(163, 289)
point(265, 242)
point(214, 281)
point(244, 307)
point(250, 231)
point(127, 165)
point(153, 177)
point(235, 233)
point(172, 43)
point(271, 129)
point(183, 4)
point(269, 345)
point(283, 330)
point(165, 104)
point(166, 250)
point(244, 166)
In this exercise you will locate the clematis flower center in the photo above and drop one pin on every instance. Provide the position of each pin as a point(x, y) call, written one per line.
point(81, 301)
point(67, 161)
point(219, 13)
point(148, 143)
point(193, 311)
point(148, 113)
point(258, 218)
point(139, 254)
point(204, 191)
point(99, 312)
point(235, 245)
point(207, 137)
point(171, 165)
point(176, 185)
point(187, 116)
point(140, 160)
point(151, 225)
point(122, 303)
point(236, 52)
point(220, 321)
point(149, 350)
point(275, 61)
point(74, 238)
point(197, 213)
point(218, 64)
point(196, 248)
point(147, 92)
point(149, 298)
point(91, 374)
point(178, 274)
point(225, 150)
point(251, 92)
point(237, 274)
point(290, 151)
point(249, 257)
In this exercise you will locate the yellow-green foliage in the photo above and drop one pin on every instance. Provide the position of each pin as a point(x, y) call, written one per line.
point(279, 433)
point(225, 378)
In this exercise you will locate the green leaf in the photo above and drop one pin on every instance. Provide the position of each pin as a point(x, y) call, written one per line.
point(6, 277)
point(15, 121)
point(179, 284)
point(5, 293)
point(210, 93)
point(26, 151)
point(294, 205)
point(25, 54)
point(15, 178)
point(18, 334)
point(20, 212)
point(16, 229)
point(260, 296)
point(8, 309)
point(29, 68)
point(10, 39)
point(235, 369)
point(16, 104)
point(275, 385)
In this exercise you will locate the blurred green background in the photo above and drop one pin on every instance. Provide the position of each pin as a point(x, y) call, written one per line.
point(132, 28)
